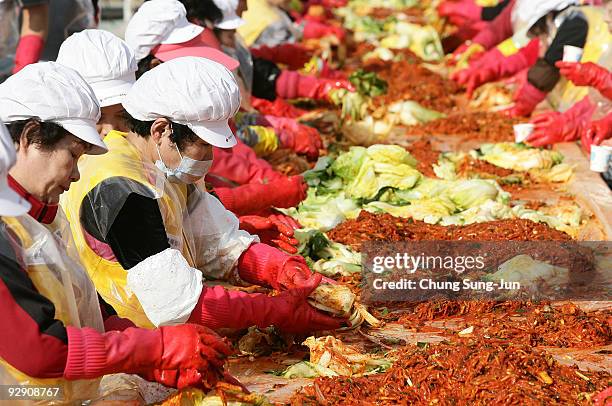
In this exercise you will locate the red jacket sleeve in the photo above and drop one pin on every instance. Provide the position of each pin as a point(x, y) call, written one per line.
point(497, 30)
point(31, 339)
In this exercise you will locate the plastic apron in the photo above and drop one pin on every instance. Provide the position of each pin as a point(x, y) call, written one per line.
point(9, 36)
point(124, 161)
point(63, 281)
point(598, 49)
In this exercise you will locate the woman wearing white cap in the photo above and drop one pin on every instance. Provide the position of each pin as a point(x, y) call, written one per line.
point(127, 214)
point(53, 328)
point(108, 65)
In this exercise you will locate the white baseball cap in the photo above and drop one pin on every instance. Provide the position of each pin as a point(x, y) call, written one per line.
point(230, 20)
point(11, 204)
point(104, 60)
point(53, 92)
point(159, 22)
point(193, 91)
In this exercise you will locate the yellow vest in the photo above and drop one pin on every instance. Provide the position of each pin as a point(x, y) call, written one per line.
point(597, 49)
point(124, 160)
point(44, 262)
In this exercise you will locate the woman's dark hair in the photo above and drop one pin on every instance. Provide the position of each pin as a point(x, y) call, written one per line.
point(202, 10)
point(181, 134)
point(46, 134)
point(144, 65)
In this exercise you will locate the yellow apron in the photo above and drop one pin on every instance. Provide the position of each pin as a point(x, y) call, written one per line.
point(597, 49)
point(123, 160)
point(46, 265)
point(258, 16)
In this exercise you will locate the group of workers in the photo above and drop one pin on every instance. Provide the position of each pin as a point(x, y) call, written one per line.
point(130, 182)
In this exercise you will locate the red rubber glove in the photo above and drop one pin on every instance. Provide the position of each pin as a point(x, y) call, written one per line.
point(241, 165)
point(292, 55)
point(289, 311)
point(264, 265)
point(494, 66)
point(603, 398)
point(525, 101)
point(271, 231)
point(588, 74)
point(255, 198)
point(116, 323)
point(136, 350)
point(291, 85)
point(277, 108)
point(459, 12)
point(553, 127)
point(316, 30)
point(28, 51)
point(596, 132)
point(297, 137)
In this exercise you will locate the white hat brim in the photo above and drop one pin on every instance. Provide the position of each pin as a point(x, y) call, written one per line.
point(109, 94)
point(231, 23)
point(87, 132)
point(216, 133)
point(11, 204)
point(183, 33)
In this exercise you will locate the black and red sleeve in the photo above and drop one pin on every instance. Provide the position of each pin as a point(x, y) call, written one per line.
point(32, 340)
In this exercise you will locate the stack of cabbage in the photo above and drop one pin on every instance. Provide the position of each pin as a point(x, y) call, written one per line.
point(383, 178)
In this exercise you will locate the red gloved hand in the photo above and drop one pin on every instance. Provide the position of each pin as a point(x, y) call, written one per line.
point(316, 30)
point(291, 85)
point(135, 350)
point(264, 265)
point(554, 127)
point(494, 66)
point(255, 198)
point(292, 55)
point(277, 108)
point(587, 74)
point(596, 132)
point(28, 51)
point(183, 378)
point(603, 398)
point(459, 12)
point(241, 166)
point(525, 101)
point(297, 137)
point(289, 311)
point(271, 231)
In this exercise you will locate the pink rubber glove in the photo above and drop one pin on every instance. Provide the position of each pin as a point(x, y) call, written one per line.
point(494, 66)
point(289, 311)
point(316, 30)
point(28, 51)
point(135, 350)
point(587, 74)
point(596, 132)
point(292, 55)
point(272, 231)
point(525, 100)
point(553, 127)
point(264, 265)
point(241, 165)
point(291, 85)
point(459, 12)
point(255, 198)
point(297, 137)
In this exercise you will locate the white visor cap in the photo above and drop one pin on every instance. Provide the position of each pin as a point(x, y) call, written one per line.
point(197, 92)
point(53, 92)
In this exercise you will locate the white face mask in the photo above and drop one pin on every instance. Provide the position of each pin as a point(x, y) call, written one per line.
point(187, 170)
